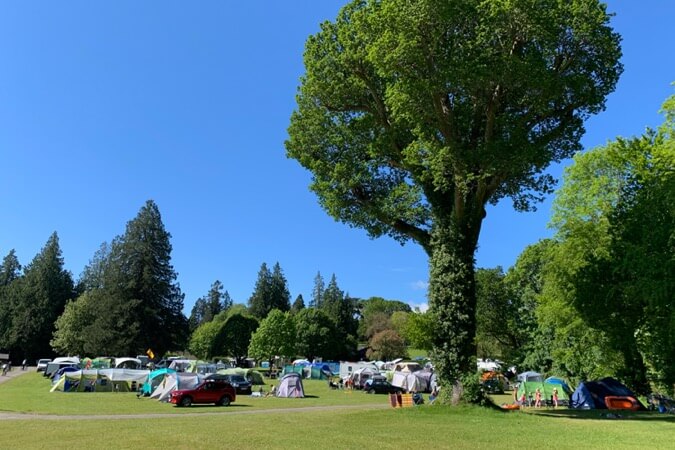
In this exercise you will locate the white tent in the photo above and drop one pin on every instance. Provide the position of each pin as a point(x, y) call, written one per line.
point(173, 381)
point(128, 363)
point(359, 376)
point(290, 385)
point(408, 381)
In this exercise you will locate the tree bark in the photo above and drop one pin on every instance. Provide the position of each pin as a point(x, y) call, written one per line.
point(452, 298)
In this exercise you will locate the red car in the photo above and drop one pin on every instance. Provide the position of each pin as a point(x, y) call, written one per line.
point(210, 391)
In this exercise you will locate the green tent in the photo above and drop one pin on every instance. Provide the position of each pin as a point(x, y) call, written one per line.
point(529, 388)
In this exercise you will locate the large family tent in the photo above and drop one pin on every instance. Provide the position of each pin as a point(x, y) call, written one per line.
point(253, 376)
point(154, 379)
point(101, 380)
point(290, 385)
point(529, 388)
point(592, 394)
point(173, 381)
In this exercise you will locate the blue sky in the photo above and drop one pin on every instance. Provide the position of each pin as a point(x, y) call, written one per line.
point(104, 105)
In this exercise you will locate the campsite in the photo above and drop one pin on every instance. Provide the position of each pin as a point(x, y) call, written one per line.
point(346, 419)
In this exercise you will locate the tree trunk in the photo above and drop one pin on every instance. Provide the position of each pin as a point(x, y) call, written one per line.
point(452, 299)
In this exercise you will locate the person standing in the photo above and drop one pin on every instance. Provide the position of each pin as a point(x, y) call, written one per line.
point(23, 364)
point(555, 397)
point(537, 398)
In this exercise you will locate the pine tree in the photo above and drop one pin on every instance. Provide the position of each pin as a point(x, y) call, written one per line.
point(10, 269)
point(317, 291)
point(38, 300)
point(257, 304)
point(298, 304)
point(281, 297)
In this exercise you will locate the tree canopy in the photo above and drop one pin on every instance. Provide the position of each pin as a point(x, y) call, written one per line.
point(413, 115)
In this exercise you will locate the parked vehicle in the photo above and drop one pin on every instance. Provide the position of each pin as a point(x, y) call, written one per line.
point(240, 384)
point(210, 391)
point(380, 386)
point(42, 364)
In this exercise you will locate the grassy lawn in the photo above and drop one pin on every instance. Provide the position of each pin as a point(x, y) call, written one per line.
point(424, 426)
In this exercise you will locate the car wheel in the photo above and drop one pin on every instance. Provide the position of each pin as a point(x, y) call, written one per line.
point(224, 401)
point(371, 391)
point(185, 401)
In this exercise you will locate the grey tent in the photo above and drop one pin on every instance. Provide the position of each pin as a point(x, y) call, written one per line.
point(290, 385)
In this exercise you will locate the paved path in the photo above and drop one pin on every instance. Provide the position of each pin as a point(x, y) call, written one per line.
point(233, 410)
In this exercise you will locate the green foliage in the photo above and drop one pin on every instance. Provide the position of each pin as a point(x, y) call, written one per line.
point(386, 346)
point(203, 340)
point(298, 304)
point(418, 330)
point(37, 299)
point(234, 336)
point(275, 336)
point(413, 115)
point(270, 292)
point(130, 294)
point(317, 335)
point(375, 315)
point(206, 308)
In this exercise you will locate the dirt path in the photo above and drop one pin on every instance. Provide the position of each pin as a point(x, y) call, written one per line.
point(16, 372)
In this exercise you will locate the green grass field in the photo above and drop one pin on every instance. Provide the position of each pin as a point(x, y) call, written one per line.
point(327, 418)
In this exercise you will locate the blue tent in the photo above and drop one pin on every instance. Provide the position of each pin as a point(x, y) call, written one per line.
point(591, 394)
point(154, 378)
point(561, 382)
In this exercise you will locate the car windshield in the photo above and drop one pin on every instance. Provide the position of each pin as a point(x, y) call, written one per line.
point(238, 379)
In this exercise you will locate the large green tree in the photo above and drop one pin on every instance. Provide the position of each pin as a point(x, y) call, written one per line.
point(413, 115)
point(132, 294)
point(38, 299)
point(615, 220)
point(317, 335)
point(276, 336)
point(234, 337)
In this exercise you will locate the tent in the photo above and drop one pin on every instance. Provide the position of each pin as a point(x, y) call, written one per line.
point(409, 381)
point(529, 376)
point(128, 363)
point(154, 379)
point(320, 371)
point(561, 382)
point(175, 380)
point(104, 380)
point(407, 366)
point(530, 387)
point(251, 375)
point(359, 376)
point(591, 394)
point(290, 385)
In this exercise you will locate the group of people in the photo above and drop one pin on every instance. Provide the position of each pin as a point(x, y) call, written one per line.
point(523, 400)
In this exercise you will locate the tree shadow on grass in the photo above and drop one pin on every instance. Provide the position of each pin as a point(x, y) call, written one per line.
point(605, 414)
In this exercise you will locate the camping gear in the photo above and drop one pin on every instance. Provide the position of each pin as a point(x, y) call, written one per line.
point(290, 385)
point(175, 380)
point(617, 402)
point(592, 394)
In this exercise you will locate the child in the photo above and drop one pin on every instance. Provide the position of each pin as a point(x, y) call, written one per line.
point(555, 397)
point(537, 398)
point(523, 399)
